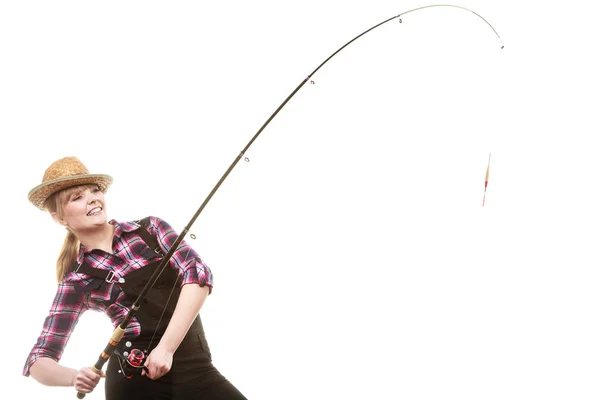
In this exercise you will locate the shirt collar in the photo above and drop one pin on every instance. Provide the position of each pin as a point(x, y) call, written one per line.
point(121, 227)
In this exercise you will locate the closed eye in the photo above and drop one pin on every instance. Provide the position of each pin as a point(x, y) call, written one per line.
point(76, 196)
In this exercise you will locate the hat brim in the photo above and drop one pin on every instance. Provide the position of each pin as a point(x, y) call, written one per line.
point(39, 194)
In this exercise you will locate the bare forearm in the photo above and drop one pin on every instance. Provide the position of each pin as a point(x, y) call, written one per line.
point(188, 306)
point(48, 372)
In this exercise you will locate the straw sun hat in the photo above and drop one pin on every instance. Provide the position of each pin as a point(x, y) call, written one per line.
point(64, 173)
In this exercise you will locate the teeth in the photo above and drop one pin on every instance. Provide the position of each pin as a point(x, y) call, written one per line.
point(95, 211)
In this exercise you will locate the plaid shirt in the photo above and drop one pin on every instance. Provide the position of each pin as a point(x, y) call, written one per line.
point(129, 254)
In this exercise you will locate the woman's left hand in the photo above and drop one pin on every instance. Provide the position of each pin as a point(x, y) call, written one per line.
point(158, 363)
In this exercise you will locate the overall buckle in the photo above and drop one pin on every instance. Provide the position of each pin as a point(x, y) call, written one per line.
point(110, 276)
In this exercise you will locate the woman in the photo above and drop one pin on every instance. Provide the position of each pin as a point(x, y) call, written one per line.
point(103, 266)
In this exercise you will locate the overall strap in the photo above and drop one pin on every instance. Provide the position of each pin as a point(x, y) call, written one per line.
point(147, 237)
point(103, 274)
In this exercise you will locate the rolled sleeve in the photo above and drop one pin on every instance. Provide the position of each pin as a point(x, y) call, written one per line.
point(185, 259)
point(196, 271)
point(62, 318)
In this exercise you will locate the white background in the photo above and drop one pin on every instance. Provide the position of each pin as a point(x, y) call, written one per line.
point(352, 256)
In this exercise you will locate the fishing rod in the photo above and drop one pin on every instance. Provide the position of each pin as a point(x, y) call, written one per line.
point(120, 330)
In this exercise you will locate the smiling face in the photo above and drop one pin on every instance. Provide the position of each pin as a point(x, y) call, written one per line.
point(80, 208)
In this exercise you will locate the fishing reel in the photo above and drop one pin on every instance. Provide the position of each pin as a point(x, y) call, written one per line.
point(132, 362)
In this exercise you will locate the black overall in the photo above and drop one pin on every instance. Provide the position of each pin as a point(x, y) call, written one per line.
point(192, 374)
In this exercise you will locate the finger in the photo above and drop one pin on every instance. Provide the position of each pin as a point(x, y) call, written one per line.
point(83, 380)
point(88, 379)
point(152, 369)
point(84, 384)
point(163, 369)
point(83, 387)
point(147, 371)
point(152, 372)
point(89, 374)
point(157, 371)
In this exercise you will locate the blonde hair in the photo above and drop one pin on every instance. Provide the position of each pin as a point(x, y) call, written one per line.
point(70, 248)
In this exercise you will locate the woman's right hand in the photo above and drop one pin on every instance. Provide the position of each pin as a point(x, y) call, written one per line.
point(86, 380)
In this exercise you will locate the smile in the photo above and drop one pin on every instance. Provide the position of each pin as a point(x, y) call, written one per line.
point(94, 211)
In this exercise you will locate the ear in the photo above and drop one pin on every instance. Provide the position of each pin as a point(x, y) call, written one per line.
point(57, 219)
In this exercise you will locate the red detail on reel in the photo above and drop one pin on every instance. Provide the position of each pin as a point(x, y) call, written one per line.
point(136, 358)
point(133, 364)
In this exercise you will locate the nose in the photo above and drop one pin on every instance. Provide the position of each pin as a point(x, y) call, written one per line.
point(91, 196)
